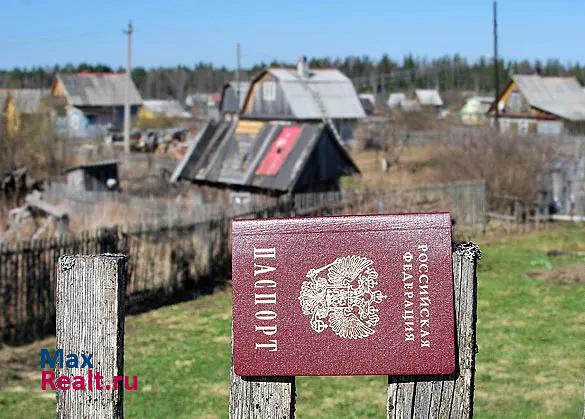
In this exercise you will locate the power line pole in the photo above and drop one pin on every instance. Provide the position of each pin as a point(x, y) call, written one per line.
point(238, 77)
point(496, 70)
point(128, 32)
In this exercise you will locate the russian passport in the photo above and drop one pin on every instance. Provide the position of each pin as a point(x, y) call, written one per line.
point(343, 295)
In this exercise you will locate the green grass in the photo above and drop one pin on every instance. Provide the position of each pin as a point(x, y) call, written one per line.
point(531, 336)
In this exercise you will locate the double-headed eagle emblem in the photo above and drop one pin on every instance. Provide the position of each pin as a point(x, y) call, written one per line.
point(343, 299)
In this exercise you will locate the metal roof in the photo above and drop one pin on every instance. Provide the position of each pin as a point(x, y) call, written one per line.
point(561, 96)
point(98, 89)
point(277, 156)
point(395, 99)
point(428, 97)
point(168, 108)
point(336, 91)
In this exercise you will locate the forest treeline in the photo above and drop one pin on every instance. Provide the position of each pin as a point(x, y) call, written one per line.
point(368, 74)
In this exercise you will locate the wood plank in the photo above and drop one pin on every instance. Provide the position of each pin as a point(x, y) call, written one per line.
point(443, 397)
point(262, 397)
point(90, 319)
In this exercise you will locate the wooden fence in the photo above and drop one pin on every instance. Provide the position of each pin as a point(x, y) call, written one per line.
point(191, 258)
point(466, 200)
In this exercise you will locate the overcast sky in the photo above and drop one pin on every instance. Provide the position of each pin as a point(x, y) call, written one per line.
point(171, 32)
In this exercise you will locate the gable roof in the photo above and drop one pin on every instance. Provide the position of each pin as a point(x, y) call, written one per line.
point(26, 101)
point(98, 89)
point(275, 156)
point(169, 108)
point(335, 89)
point(561, 96)
point(428, 97)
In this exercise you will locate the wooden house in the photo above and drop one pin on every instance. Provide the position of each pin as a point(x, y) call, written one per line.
point(304, 94)
point(21, 107)
point(531, 104)
point(270, 158)
point(233, 96)
point(96, 176)
point(90, 103)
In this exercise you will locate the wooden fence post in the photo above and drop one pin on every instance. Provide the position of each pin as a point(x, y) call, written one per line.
point(90, 320)
point(262, 397)
point(452, 397)
point(408, 397)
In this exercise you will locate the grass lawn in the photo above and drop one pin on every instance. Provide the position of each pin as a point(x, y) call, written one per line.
point(531, 336)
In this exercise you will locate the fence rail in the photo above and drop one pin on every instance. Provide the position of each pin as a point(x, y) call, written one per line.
point(173, 261)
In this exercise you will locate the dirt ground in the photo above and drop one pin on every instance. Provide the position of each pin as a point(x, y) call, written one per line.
point(562, 275)
point(415, 167)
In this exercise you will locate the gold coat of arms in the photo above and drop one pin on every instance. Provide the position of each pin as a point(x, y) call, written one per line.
point(343, 298)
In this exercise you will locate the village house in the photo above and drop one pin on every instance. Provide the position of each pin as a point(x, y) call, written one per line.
point(22, 106)
point(155, 109)
point(532, 104)
point(95, 176)
point(418, 100)
point(266, 158)
point(368, 101)
point(231, 93)
point(89, 104)
point(304, 94)
point(475, 110)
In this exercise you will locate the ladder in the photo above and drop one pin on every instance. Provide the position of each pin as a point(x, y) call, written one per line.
point(321, 106)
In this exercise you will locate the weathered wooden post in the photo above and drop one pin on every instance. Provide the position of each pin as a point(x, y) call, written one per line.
point(408, 397)
point(452, 397)
point(90, 321)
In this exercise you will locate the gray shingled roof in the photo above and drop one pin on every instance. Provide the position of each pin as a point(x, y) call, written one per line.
point(98, 89)
point(561, 96)
point(335, 89)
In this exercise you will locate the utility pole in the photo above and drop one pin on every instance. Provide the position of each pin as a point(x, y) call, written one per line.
point(128, 32)
point(496, 72)
point(238, 77)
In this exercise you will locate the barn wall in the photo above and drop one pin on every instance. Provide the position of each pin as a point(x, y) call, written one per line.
point(263, 104)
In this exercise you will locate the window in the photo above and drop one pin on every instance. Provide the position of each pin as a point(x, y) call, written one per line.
point(269, 90)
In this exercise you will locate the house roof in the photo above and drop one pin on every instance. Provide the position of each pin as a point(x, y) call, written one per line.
point(561, 96)
point(276, 155)
point(428, 97)
point(98, 89)
point(26, 101)
point(169, 108)
point(395, 99)
point(335, 89)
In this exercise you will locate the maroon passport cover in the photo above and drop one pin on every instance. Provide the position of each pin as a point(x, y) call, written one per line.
point(345, 295)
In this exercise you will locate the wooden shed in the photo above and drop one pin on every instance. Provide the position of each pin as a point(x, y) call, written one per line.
point(96, 176)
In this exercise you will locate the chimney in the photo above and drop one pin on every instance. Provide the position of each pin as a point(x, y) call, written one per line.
point(303, 67)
